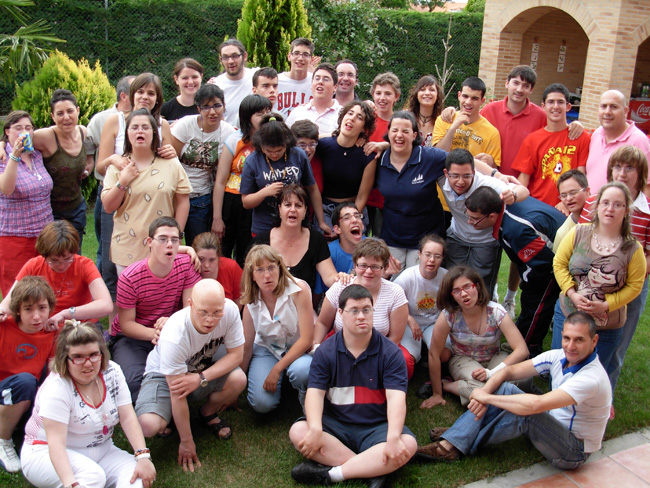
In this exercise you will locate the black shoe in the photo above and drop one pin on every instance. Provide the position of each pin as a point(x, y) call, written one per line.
point(377, 482)
point(311, 473)
point(425, 391)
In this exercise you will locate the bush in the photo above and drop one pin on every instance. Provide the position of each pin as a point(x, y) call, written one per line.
point(89, 85)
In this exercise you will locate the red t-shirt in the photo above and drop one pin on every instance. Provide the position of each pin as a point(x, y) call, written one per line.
point(230, 277)
point(545, 156)
point(22, 352)
point(71, 287)
point(376, 199)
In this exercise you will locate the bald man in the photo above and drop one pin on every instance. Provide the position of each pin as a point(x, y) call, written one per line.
point(614, 132)
point(181, 367)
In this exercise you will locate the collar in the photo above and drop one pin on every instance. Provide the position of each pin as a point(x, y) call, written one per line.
point(450, 192)
point(334, 107)
point(623, 137)
point(575, 368)
point(416, 158)
point(371, 350)
point(525, 111)
point(641, 203)
point(289, 290)
point(497, 224)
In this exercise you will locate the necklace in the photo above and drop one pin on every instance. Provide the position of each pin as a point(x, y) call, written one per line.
point(604, 247)
point(58, 292)
point(104, 417)
point(425, 118)
point(273, 171)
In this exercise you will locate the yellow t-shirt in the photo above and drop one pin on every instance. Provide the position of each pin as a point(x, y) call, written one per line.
point(479, 137)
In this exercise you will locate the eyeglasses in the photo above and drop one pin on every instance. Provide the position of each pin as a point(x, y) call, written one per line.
point(271, 269)
point(428, 255)
point(324, 79)
point(626, 169)
point(67, 260)
point(465, 288)
point(350, 216)
point(473, 221)
point(572, 193)
point(298, 54)
point(374, 267)
point(136, 128)
point(355, 311)
point(455, 177)
point(346, 75)
point(20, 128)
point(165, 239)
point(614, 205)
point(304, 146)
point(204, 314)
point(93, 358)
point(234, 57)
point(207, 108)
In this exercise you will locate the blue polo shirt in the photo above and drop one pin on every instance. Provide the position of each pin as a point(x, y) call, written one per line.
point(411, 205)
point(257, 175)
point(356, 387)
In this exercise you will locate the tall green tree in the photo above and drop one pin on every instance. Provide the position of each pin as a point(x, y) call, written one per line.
point(26, 49)
point(267, 28)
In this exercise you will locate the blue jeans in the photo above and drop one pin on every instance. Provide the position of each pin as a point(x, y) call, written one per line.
point(109, 273)
point(558, 326)
point(199, 219)
point(18, 388)
point(261, 364)
point(634, 310)
point(98, 224)
point(549, 436)
point(77, 217)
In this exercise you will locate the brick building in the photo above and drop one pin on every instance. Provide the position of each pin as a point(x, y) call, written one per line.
point(594, 45)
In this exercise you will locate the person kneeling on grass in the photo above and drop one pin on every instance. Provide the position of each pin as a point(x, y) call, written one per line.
point(181, 368)
point(356, 403)
point(566, 424)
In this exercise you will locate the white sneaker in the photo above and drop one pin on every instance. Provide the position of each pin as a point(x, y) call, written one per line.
point(8, 457)
point(509, 305)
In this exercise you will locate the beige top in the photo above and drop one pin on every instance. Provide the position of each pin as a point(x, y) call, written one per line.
point(150, 195)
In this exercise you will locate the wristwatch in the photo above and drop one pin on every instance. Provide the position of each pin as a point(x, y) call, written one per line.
point(204, 381)
point(119, 185)
point(72, 311)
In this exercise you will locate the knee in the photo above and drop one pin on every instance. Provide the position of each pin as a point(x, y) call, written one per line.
point(263, 401)
point(91, 475)
point(410, 443)
point(236, 381)
point(298, 432)
point(151, 424)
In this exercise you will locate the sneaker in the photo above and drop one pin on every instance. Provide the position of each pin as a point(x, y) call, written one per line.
point(425, 391)
point(509, 305)
point(311, 473)
point(9, 460)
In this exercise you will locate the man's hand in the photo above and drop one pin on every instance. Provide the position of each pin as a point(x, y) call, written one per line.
point(486, 158)
point(185, 385)
point(462, 118)
point(507, 178)
point(508, 196)
point(562, 208)
point(271, 381)
point(416, 331)
point(480, 374)
point(157, 328)
point(575, 130)
point(433, 401)
point(477, 408)
point(312, 443)
point(395, 453)
point(447, 114)
point(187, 457)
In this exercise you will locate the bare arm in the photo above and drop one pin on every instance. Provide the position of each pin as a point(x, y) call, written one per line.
point(440, 333)
point(8, 177)
point(255, 199)
point(223, 171)
point(398, 318)
point(144, 468)
point(524, 179)
point(249, 336)
point(513, 336)
point(187, 456)
point(100, 306)
point(325, 321)
point(317, 204)
point(131, 328)
point(181, 208)
point(57, 435)
point(313, 440)
point(395, 450)
point(107, 142)
point(178, 145)
point(367, 180)
point(327, 271)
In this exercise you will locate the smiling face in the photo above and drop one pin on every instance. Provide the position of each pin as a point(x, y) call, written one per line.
point(612, 111)
point(353, 122)
point(267, 87)
point(322, 85)
point(188, 81)
point(464, 292)
point(145, 97)
point(384, 97)
point(292, 211)
point(233, 61)
point(518, 89)
point(266, 275)
point(431, 258)
point(401, 136)
point(300, 57)
point(556, 107)
point(427, 96)
point(347, 78)
point(608, 214)
point(86, 372)
point(460, 177)
point(140, 132)
point(470, 101)
point(33, 315)
point(65, 115)
point(209, 263)
point(20, 126)
point(213, 116)
point(576, 342)
point(350, 226)
point(575, 195)
point(369, 278)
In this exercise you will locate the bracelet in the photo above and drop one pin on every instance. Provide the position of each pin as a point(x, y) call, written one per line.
point(498, 367)
point(72, 485)
point(141, 451)
point(144, 455)
point(14, 158)
point(514, 193)
point(494, 171)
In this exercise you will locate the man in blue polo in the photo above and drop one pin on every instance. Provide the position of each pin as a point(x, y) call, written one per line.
point(526, 230)
point(356, 403)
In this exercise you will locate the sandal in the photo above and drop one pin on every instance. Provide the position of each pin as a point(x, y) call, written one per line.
point(217, 427)
point(438, 452)
point(436, 432)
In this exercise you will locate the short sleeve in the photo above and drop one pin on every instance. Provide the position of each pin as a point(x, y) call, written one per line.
point(126, 293)
point(320, 371)
point(180, 129)
point(525, 161)
point(191, 276)
point(307, 178)
point(89, 270)
point(56, 399)
point(395, 375)
point(248, 183)
point(122, 393)
point(319, 243)
point(112, 175)
point(440, 128)
point(183, 185)
point(334, 293)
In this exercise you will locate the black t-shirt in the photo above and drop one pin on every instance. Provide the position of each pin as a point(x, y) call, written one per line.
point(172, 110)
point(343, 168)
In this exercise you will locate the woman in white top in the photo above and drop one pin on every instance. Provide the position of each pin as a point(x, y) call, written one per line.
point(279, 328)
point(68, 439)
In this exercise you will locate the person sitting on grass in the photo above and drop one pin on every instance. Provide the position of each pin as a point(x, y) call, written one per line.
point(25, 352)
point(566, 424)
point(356, 403)
point(180, 369)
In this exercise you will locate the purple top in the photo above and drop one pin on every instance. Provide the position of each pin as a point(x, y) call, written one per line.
point(27, 210)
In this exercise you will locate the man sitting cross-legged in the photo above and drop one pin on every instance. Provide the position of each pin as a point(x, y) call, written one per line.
point(566, 424)
point(355, 404)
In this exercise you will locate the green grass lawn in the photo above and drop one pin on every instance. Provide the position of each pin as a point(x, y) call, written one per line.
point(259, 454)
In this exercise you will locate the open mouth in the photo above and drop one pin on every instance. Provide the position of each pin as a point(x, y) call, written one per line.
point(355, 231)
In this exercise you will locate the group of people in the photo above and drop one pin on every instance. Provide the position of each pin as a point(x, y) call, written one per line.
point(275, 181)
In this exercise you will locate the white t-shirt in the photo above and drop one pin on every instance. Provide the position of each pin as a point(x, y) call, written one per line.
point(201, 151)
point(459, 228)
point(391, 296)
point(182, 349)
point(327, 122)
point(588, 384)
point(58, 399)
point(234, 92)
point(292, 93)
point(421, 294)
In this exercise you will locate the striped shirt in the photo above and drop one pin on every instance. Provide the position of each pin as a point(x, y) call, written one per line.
point(153, 297)
point(27, 210)
point(639, 218)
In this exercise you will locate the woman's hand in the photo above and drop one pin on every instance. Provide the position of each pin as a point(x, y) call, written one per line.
point(145, 470)
point(415, 328)
point(196, 262)
point(271, 381)
point(19, 147)
point(394, 266)
point(128, 174)
point(375, 147)
point(53, 322)
point(218, 228)
point(167, 151)
point(120, 162)
point(327, 230)
point(344, 278)
point(273, 189)
point(447, 115)
point(433, 401)
point(480, 374)
point(580, 302)
point(596, 306)
point(4, 314)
